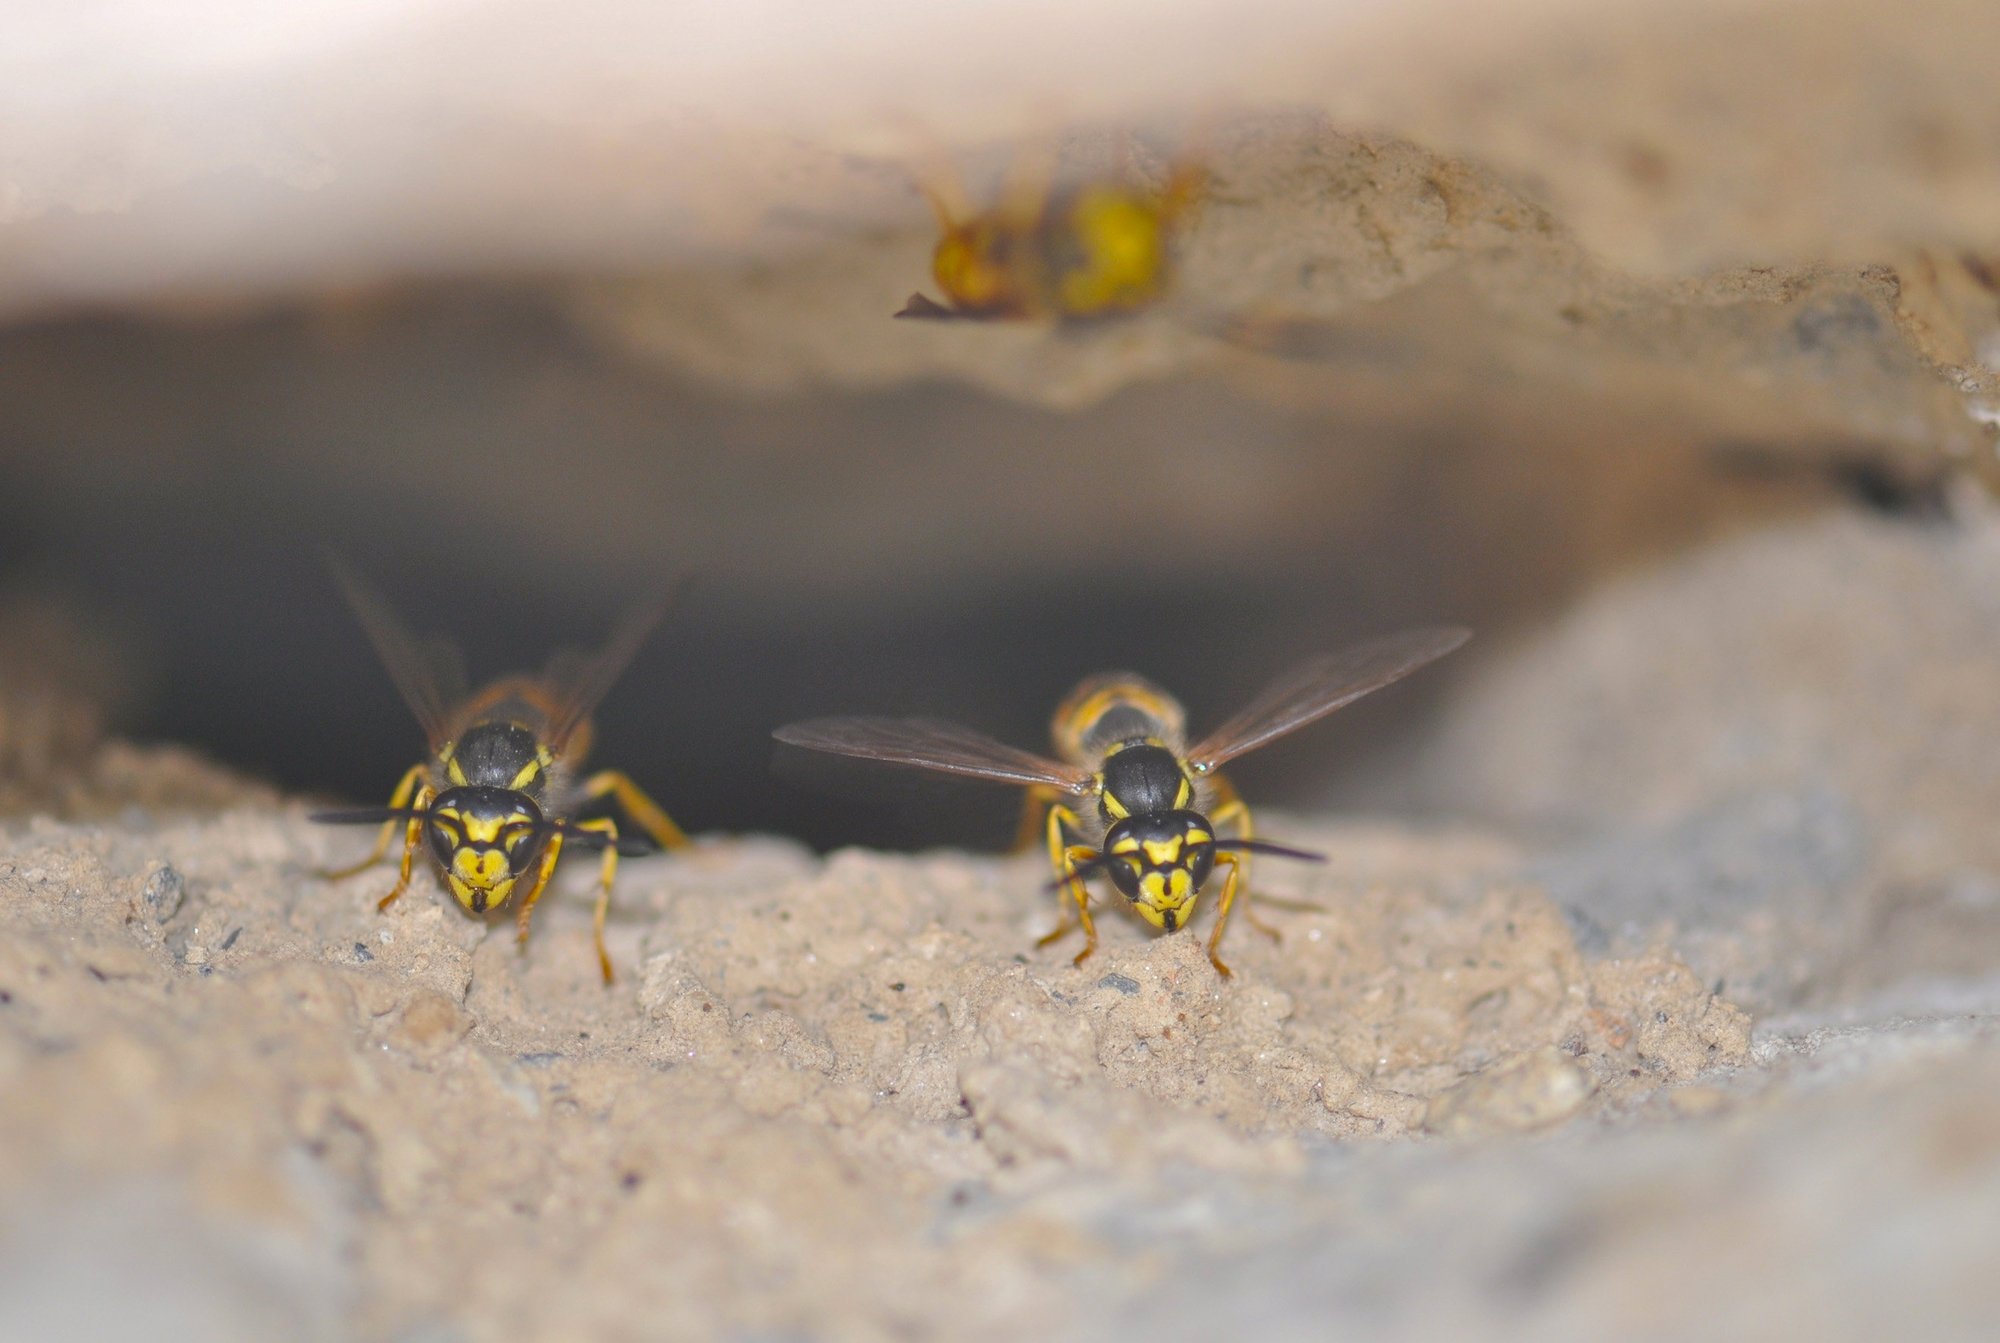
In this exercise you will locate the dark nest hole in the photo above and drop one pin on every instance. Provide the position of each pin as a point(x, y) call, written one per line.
point(927, 549)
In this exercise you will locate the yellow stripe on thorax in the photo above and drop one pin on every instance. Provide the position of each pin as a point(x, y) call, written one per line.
point(542, 761)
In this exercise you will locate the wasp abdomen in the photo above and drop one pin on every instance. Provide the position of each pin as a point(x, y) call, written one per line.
point(1108, 712)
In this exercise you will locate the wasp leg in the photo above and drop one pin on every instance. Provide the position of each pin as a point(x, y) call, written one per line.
point(1034, 810)
point(648, 815)
point(604, 825)
point(1078, 889)
point(1064, 855)
point(1229, 810)
point(543, 872)
point(1058, 836)
point(1074, 854)
point(1234, 863)
point(412, 837)
point(397, 800)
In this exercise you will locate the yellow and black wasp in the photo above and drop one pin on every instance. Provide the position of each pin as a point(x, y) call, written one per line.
point(1098, 250)
point(495, 803)
point(1161, 805)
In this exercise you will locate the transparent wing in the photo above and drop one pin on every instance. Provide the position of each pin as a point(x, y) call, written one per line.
point(1320, 686)
point(430, 673)
point(930, 743)
point(578, 682)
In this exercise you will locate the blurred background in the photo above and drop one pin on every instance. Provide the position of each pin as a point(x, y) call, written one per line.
point(521, 317)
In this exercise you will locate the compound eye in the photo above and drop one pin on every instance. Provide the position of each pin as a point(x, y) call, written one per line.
point(442, 841)
point(1200, 862)
point(519, 842)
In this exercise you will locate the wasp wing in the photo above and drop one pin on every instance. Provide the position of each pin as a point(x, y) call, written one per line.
point(930, 743)
point(1320, 686)
point(429, 672)
point(578, 682)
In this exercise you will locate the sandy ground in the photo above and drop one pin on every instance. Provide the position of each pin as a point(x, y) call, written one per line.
point(842, 1097)
point(848, 1099)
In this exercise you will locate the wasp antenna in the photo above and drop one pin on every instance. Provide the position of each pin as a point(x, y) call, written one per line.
point(365, 815)
point(1264, 846)
point(1082, 871)
point(628, 846)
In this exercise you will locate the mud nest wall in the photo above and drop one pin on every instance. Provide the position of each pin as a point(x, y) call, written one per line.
point(1659, 936)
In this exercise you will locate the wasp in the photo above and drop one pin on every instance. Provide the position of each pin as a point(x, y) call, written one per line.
point(1098, 250)
point(495, 802)
point(1157, 828)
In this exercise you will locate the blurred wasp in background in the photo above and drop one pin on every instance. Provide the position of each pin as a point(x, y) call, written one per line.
point(495, 802)
point(1096, 250)
point(1156, 831)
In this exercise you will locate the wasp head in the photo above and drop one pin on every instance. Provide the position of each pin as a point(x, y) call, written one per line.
point(1158, 861)
point(486, 839)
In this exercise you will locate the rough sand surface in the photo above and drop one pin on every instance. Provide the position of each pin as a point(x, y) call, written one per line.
point(844, 1097)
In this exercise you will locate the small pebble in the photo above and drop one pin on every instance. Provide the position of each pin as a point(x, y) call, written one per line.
point(165, 890)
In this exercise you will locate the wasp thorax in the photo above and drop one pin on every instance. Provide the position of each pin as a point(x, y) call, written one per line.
point(1140, 779)
point(499, 755)
point(485, 839)
point(1159, 862)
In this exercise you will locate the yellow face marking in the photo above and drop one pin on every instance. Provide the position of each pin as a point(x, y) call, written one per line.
point(1164, 893)
point(480, 898)
point(486, 831)
point(481, 869)
point(1126, 844)
point(479, 875)
point(1162, 852)
point(1195, 836)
